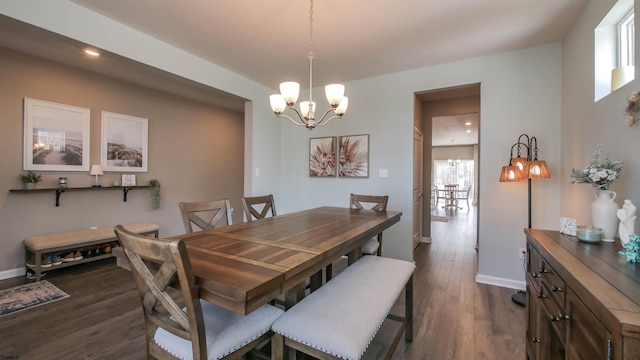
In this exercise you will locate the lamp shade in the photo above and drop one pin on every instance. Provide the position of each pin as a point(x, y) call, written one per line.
point(277, 103)
point(290, 91)
point(510, 173)
point(335, 93)
point(521, 163)
point(621, 76)
point(538, 169)
point(342, 108)
point(306, 110)
point(96, 170)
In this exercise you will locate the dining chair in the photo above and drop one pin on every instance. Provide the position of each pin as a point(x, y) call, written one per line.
point(178, 323)
point(373, 202)
point(450, 196)
point(441, 194)
point(258, 207)
point(205, 214)
point(464, 195)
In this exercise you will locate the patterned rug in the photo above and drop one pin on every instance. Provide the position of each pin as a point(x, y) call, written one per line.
point(439, 218)
point(28, 296)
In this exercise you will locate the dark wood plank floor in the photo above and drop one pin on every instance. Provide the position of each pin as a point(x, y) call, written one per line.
point(455, 318)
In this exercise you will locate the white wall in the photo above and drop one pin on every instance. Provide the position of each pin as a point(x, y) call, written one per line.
point(520, 93)
point(586, 122)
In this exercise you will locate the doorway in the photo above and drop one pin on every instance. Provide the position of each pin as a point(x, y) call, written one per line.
point(442, 116)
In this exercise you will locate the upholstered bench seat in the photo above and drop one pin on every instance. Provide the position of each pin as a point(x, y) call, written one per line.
point(36, 246)
point(342, 317)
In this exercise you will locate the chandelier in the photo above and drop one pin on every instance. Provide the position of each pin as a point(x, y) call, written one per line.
point(290, 90)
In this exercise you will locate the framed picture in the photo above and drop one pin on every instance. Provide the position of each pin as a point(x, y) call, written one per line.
point(354, 156)
point(56, 136)
point(322, 157)
point(124, 143)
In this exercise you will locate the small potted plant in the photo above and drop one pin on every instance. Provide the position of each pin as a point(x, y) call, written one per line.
point(29, 179)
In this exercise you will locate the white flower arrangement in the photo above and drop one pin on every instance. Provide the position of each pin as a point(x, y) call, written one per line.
point(632, 109)
point(600, 175)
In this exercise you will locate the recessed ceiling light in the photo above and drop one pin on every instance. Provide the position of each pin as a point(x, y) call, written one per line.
point(91, 52)
point(468, 123)
point(468, 130)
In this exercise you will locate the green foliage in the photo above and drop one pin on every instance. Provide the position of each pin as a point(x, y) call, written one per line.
point(155, 194)
point(600, 175)
point(30, 177)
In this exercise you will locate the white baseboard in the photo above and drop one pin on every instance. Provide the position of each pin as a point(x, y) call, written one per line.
point(7, 274)
point(426, 240)
point(506, 283)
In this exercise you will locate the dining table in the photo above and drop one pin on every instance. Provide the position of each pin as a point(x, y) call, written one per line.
point(243, 266)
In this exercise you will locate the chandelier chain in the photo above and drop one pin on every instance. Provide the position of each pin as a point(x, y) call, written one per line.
point(311, 55)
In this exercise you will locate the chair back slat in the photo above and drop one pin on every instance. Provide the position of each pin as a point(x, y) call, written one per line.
point(252, 205)
point(205, 215)
point(373, 202)
point(157, 265)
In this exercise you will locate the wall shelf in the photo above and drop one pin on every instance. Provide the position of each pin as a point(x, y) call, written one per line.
point(58, 191)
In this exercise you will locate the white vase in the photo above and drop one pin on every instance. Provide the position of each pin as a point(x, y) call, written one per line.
point(604, 213)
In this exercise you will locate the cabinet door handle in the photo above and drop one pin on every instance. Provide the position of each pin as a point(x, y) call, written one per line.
point(554, 318)
point(609, 350)
point(535, 340)
point(541, 295)
point(556, 289)
point(543, 271)
point(536, 275)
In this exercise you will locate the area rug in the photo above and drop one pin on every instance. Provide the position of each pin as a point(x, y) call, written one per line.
point(439, 218)
point(28, 296)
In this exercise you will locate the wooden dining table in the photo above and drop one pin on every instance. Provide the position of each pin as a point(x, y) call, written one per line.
point(244, 266)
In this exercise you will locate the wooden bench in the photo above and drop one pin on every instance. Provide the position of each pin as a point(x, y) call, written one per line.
point(341, 318)
point(37, 246)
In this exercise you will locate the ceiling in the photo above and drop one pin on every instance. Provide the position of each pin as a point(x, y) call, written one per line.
point(268, 41)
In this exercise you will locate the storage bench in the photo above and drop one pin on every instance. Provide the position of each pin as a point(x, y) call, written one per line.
point(37, 246)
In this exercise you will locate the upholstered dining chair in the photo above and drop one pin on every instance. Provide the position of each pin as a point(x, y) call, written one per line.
point(205, 215)
point(258, 207)
point(373, 202)
point(178, 323)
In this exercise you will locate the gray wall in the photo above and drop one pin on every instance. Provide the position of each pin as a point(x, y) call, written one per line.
point(196, 151)
point(586, 122)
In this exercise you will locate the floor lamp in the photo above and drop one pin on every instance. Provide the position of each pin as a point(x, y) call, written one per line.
point(520, 168)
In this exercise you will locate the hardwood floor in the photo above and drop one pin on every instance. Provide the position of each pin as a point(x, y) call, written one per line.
point(455, 318)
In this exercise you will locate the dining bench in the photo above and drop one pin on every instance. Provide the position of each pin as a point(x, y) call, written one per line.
point(37, 246)
point(342, 317)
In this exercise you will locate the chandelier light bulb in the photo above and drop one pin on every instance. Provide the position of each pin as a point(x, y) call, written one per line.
point(307, 112)
point(335, 93)
point(342, 108)
point(290, 91)
point(277, 103)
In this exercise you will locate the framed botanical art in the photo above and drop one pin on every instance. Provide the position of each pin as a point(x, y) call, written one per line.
point(354, 156)
point(124, 143)
point(322, 156)
point(56, 136)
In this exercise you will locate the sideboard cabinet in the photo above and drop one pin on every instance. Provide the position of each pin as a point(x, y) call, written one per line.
point(583, 299)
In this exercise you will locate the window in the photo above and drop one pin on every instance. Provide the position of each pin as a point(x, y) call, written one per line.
point(614, 44)
point(453, 172)
point(626, 40)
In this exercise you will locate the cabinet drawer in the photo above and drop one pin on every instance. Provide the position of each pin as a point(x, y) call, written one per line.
point(553, 283)
point(533, 266)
